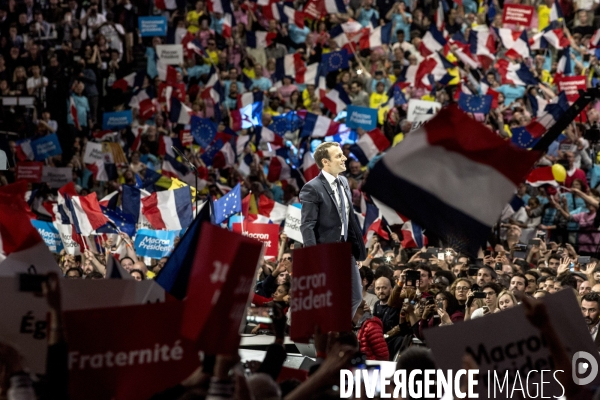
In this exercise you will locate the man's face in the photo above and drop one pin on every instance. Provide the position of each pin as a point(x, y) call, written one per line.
point(383, 289)
point(127, 264)
point(73, 275)
point(553, 263)
point(584, 288)
point(531, 284)
point(69, 262)
point(590, 311)
point(490, 296)
point(457, 269)
point(425, 281)
point(354, 88)
point(513, 232)
point(517, 284)
point(336, 162)
point(397, 274)
point(355, 168)
point(483, 276)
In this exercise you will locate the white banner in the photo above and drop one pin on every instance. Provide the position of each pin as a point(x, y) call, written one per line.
point(23, 315)
point(57, 177)
point(292, 223)
point(170, 54)
point(93, 153)
point(66, 235)
point(421, 110)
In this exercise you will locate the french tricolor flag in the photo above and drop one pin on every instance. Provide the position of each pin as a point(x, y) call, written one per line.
point(293, 65)
point(453, 164)
point(260, 39)
point(564, 67)
point(595, 39)
point(319, 126)
point(412, 236)
point(482, 44)
point(166, 73)
point(309, 166)
point(265, 135)
point(249, 98)
point(172, 168)
point(549, 116)
point(369, 145)
point(169, 209)
point(219, 6)
point(516, 43)
point(557, 38)
point(391, 216)
point(432, 41)
point(133, 80)
point(227, 24)
point(336, 100)
point(519, 74)
point(180, 113)
point(556, 12)
point(377, 37)
point(86, 213)
point(73, 112)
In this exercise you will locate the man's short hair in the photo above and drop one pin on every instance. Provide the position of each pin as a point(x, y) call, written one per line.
point(322, 152)
point(367, 273)
point(94, 275)
point(520, 275)
point(569, 280)
point(591, 296)
point(548, 271)
point(79, 271)
point(489, 269)
point(386, 271)
point(426, 268)
point(494, 286)
point(555, 257)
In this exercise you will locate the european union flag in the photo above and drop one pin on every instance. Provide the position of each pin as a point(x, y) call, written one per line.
point(475, 104)
point(210, 153)
point(120, 222)
point(203, 130)
point(288, 122)
point(522, 138)
point(228, 205)
point(336, 60)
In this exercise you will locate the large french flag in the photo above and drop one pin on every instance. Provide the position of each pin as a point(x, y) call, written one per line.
point(482, 44)
point(377, 37)
point(336, 100)
point(279, 170)
point(86, 213)
point(169, 209)
point(551, 113)
point(369, 145)
point(319, 126)
point(391, 216)
point(432, 41)
point(457, 167)
point(516, 43)
point(557, 38)
point(271, 209)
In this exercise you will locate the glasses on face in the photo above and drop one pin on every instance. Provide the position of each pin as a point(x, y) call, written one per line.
point(286, 259)
point(462, 288)
point(489, 294)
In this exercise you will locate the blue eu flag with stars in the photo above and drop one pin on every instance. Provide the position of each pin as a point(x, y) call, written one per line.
point(522, 138)
point(475, 104)
point(228, 205)
point(336, 60)
point(203, 130)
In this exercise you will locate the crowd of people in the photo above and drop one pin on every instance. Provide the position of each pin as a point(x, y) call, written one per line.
point(71, 58)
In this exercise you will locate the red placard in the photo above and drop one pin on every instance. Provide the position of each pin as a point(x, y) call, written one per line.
point(517, 14)
point(321, 290)
point(30, 171)
point(265, 233)
point(571, 86)
point(186, 138)
point(111, 348)
point(220, 283)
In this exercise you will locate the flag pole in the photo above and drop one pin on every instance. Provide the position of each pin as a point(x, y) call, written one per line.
point(585, 98)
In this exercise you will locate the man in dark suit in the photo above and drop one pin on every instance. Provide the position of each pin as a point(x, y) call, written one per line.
point(590, 307)
point(327, 214)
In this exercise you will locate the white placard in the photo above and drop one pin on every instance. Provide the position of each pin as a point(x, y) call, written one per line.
point(93, 153)
point(170, 54)
point(57, 177)
point(292, 223)
point(421, 110)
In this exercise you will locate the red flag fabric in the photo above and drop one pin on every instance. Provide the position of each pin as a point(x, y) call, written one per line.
point(219, 288)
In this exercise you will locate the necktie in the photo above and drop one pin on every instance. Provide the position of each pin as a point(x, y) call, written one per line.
point(343, 206)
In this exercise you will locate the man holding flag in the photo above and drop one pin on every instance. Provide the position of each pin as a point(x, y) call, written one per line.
point(327, 214)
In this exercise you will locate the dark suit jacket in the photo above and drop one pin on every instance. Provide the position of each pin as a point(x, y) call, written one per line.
point(321, 222)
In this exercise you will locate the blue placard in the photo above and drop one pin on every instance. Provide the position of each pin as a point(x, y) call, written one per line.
point(152, 26)
point(361, 117)
point(47, 146)
point(50, 235)
point(117, 119)
point(154, 244)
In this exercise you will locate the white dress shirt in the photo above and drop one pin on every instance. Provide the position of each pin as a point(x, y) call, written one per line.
point(331, 179)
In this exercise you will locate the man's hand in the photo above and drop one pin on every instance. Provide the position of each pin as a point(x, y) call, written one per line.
point(564, 266)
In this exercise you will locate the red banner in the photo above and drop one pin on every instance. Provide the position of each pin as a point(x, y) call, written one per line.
point(127, 352)
point(30, 171)
point(321, 290)
point(571, 86)
point(517, 14)
point(266, 233)
point(219, 288)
